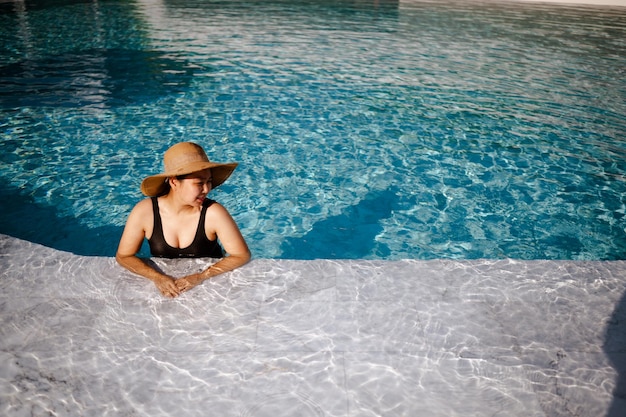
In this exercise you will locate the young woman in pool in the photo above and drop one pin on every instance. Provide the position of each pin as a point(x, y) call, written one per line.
point(179, 221)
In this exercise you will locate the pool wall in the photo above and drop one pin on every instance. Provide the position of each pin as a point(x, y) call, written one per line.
point(80, 336)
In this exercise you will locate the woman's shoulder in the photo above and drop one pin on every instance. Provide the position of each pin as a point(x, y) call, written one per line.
point(141, 217)
point(216, 212)
point(213, 206)
point(143, 207)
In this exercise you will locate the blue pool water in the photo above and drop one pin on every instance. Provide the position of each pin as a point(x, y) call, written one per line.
point(364, 130)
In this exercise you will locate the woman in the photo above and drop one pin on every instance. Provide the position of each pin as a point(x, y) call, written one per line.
point(179, 221)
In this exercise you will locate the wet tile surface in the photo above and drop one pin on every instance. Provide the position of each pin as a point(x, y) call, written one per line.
point(81, 336)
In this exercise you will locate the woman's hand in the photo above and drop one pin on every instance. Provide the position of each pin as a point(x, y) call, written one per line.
point(167, 286)
point(186, 283)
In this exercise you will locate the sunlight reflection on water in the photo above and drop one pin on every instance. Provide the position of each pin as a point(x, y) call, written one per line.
point(411, 130)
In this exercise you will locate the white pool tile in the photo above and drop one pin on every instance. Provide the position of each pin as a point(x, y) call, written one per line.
point(81, 336)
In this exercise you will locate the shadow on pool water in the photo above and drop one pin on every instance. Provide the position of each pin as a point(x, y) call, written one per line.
point(95, 77)
point(23, 218)
point(350, 234)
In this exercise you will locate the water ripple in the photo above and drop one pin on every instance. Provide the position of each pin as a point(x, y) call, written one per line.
point(384, 130)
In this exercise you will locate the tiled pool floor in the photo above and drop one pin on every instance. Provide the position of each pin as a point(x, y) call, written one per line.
point(79, 336)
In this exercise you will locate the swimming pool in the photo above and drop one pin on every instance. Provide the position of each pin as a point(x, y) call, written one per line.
point(365, 130)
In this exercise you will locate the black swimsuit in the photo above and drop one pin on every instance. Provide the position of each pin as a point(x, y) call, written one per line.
point(201, 247)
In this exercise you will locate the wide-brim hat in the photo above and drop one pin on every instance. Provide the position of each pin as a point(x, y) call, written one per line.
point(182, 159)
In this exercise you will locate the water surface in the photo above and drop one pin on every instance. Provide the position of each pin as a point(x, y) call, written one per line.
point(365, 130)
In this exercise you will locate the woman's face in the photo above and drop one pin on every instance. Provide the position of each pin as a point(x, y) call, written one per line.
point(193, 188)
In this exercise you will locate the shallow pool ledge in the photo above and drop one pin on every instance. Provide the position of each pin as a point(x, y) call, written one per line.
point(621, 3)
point(79, 336)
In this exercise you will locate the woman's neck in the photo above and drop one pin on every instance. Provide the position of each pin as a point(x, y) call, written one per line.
point(175, 206)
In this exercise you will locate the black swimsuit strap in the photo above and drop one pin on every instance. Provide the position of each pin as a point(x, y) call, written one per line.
point(158, 226)
point(200, 232)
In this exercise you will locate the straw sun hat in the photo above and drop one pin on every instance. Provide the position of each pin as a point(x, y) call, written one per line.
point(182, 159)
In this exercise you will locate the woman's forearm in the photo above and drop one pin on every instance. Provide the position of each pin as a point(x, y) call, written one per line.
point(139, 266)
point(165, 284)
point(224, 265)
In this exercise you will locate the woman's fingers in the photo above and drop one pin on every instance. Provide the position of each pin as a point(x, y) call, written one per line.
point(168, 288)
point(183, 284)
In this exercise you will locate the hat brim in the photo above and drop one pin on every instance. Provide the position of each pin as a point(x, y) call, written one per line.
point(155, 185)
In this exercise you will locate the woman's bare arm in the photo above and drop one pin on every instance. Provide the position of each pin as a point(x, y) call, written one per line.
point(130, 244)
